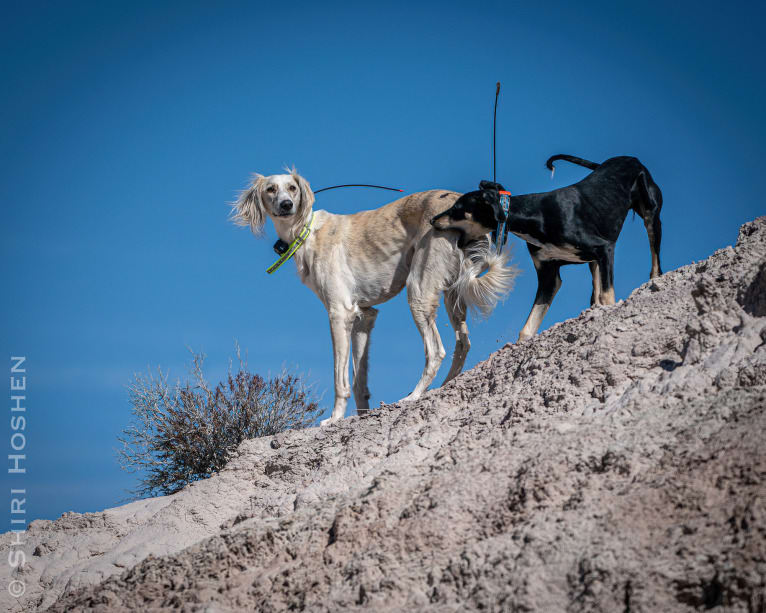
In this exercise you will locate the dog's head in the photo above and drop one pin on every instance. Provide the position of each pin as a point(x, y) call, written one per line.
point(474, 214)
point(287, 197)
point(491, 186)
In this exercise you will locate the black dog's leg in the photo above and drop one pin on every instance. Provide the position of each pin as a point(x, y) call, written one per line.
point(649, 209)
point(654, 231)
point(548, 283)
point(604, 267)
point(596, 294)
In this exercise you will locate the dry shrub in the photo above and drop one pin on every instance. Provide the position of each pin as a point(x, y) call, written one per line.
point(187, 431)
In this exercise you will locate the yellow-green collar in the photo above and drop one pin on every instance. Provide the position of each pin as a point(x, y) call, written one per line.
point(294, 246)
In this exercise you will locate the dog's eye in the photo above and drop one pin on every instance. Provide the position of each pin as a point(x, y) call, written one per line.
point(271, 189)
point(293, 188)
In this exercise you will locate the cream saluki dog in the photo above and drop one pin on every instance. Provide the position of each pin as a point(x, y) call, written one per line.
point(354, 262)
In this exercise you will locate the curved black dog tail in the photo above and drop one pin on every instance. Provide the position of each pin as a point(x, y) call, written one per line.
point(570, 158)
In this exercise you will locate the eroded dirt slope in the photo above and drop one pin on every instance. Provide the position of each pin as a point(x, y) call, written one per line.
point(614, 463)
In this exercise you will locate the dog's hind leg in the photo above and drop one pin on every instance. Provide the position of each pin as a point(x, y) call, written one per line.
point(648, 204)
point(548, 283)
point(341, 322)
point(424, 307)
point(457, 317)
point(594, 271)
point(654, 231)
point(360, 348)
point(604, 266)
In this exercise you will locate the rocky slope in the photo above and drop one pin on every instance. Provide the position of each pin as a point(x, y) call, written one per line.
point(614, 463)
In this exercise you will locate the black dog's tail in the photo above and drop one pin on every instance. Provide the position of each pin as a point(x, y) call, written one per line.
point(570, 158)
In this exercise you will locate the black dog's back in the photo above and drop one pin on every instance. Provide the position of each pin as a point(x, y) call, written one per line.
point(622, 179)
point(583, 214)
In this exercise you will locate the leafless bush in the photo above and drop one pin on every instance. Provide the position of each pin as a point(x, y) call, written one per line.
point(187, 431)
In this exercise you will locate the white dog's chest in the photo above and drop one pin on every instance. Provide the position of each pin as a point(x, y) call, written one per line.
point(567, 253)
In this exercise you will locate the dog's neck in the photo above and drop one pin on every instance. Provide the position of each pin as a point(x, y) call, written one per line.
point(289, 228)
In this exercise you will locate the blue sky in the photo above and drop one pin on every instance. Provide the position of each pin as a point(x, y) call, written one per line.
point(128, 127)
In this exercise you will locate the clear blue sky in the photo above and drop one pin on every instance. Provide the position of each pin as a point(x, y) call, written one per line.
point(127, 127)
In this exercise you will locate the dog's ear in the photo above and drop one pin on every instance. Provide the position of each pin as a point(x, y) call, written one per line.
point(491, 185)
point(248, 209)
point(307, 196)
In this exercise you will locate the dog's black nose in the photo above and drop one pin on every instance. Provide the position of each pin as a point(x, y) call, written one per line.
point(285, 206)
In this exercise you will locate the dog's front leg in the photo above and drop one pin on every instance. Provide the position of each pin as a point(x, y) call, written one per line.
point(548, 283)
point(341, 322)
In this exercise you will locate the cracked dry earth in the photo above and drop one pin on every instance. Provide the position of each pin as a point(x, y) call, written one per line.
point(616, 462)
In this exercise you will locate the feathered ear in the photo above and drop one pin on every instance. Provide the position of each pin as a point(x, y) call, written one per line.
point(248, 209)
point(307, 196)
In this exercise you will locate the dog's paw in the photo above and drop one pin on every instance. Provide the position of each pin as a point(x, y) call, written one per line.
point(328, 421)
point(410, 398)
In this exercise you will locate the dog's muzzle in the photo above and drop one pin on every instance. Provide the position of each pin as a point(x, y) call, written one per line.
point(285, 207)
point(436, 218)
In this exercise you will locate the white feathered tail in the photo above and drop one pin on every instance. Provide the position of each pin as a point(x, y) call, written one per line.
point(481, 292)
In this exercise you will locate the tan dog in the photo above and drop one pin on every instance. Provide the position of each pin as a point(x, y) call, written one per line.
point(354, 262)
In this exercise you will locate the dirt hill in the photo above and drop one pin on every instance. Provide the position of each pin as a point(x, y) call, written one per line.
point(614, 463)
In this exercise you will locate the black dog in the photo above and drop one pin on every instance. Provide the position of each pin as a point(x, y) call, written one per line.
point(571, 225)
